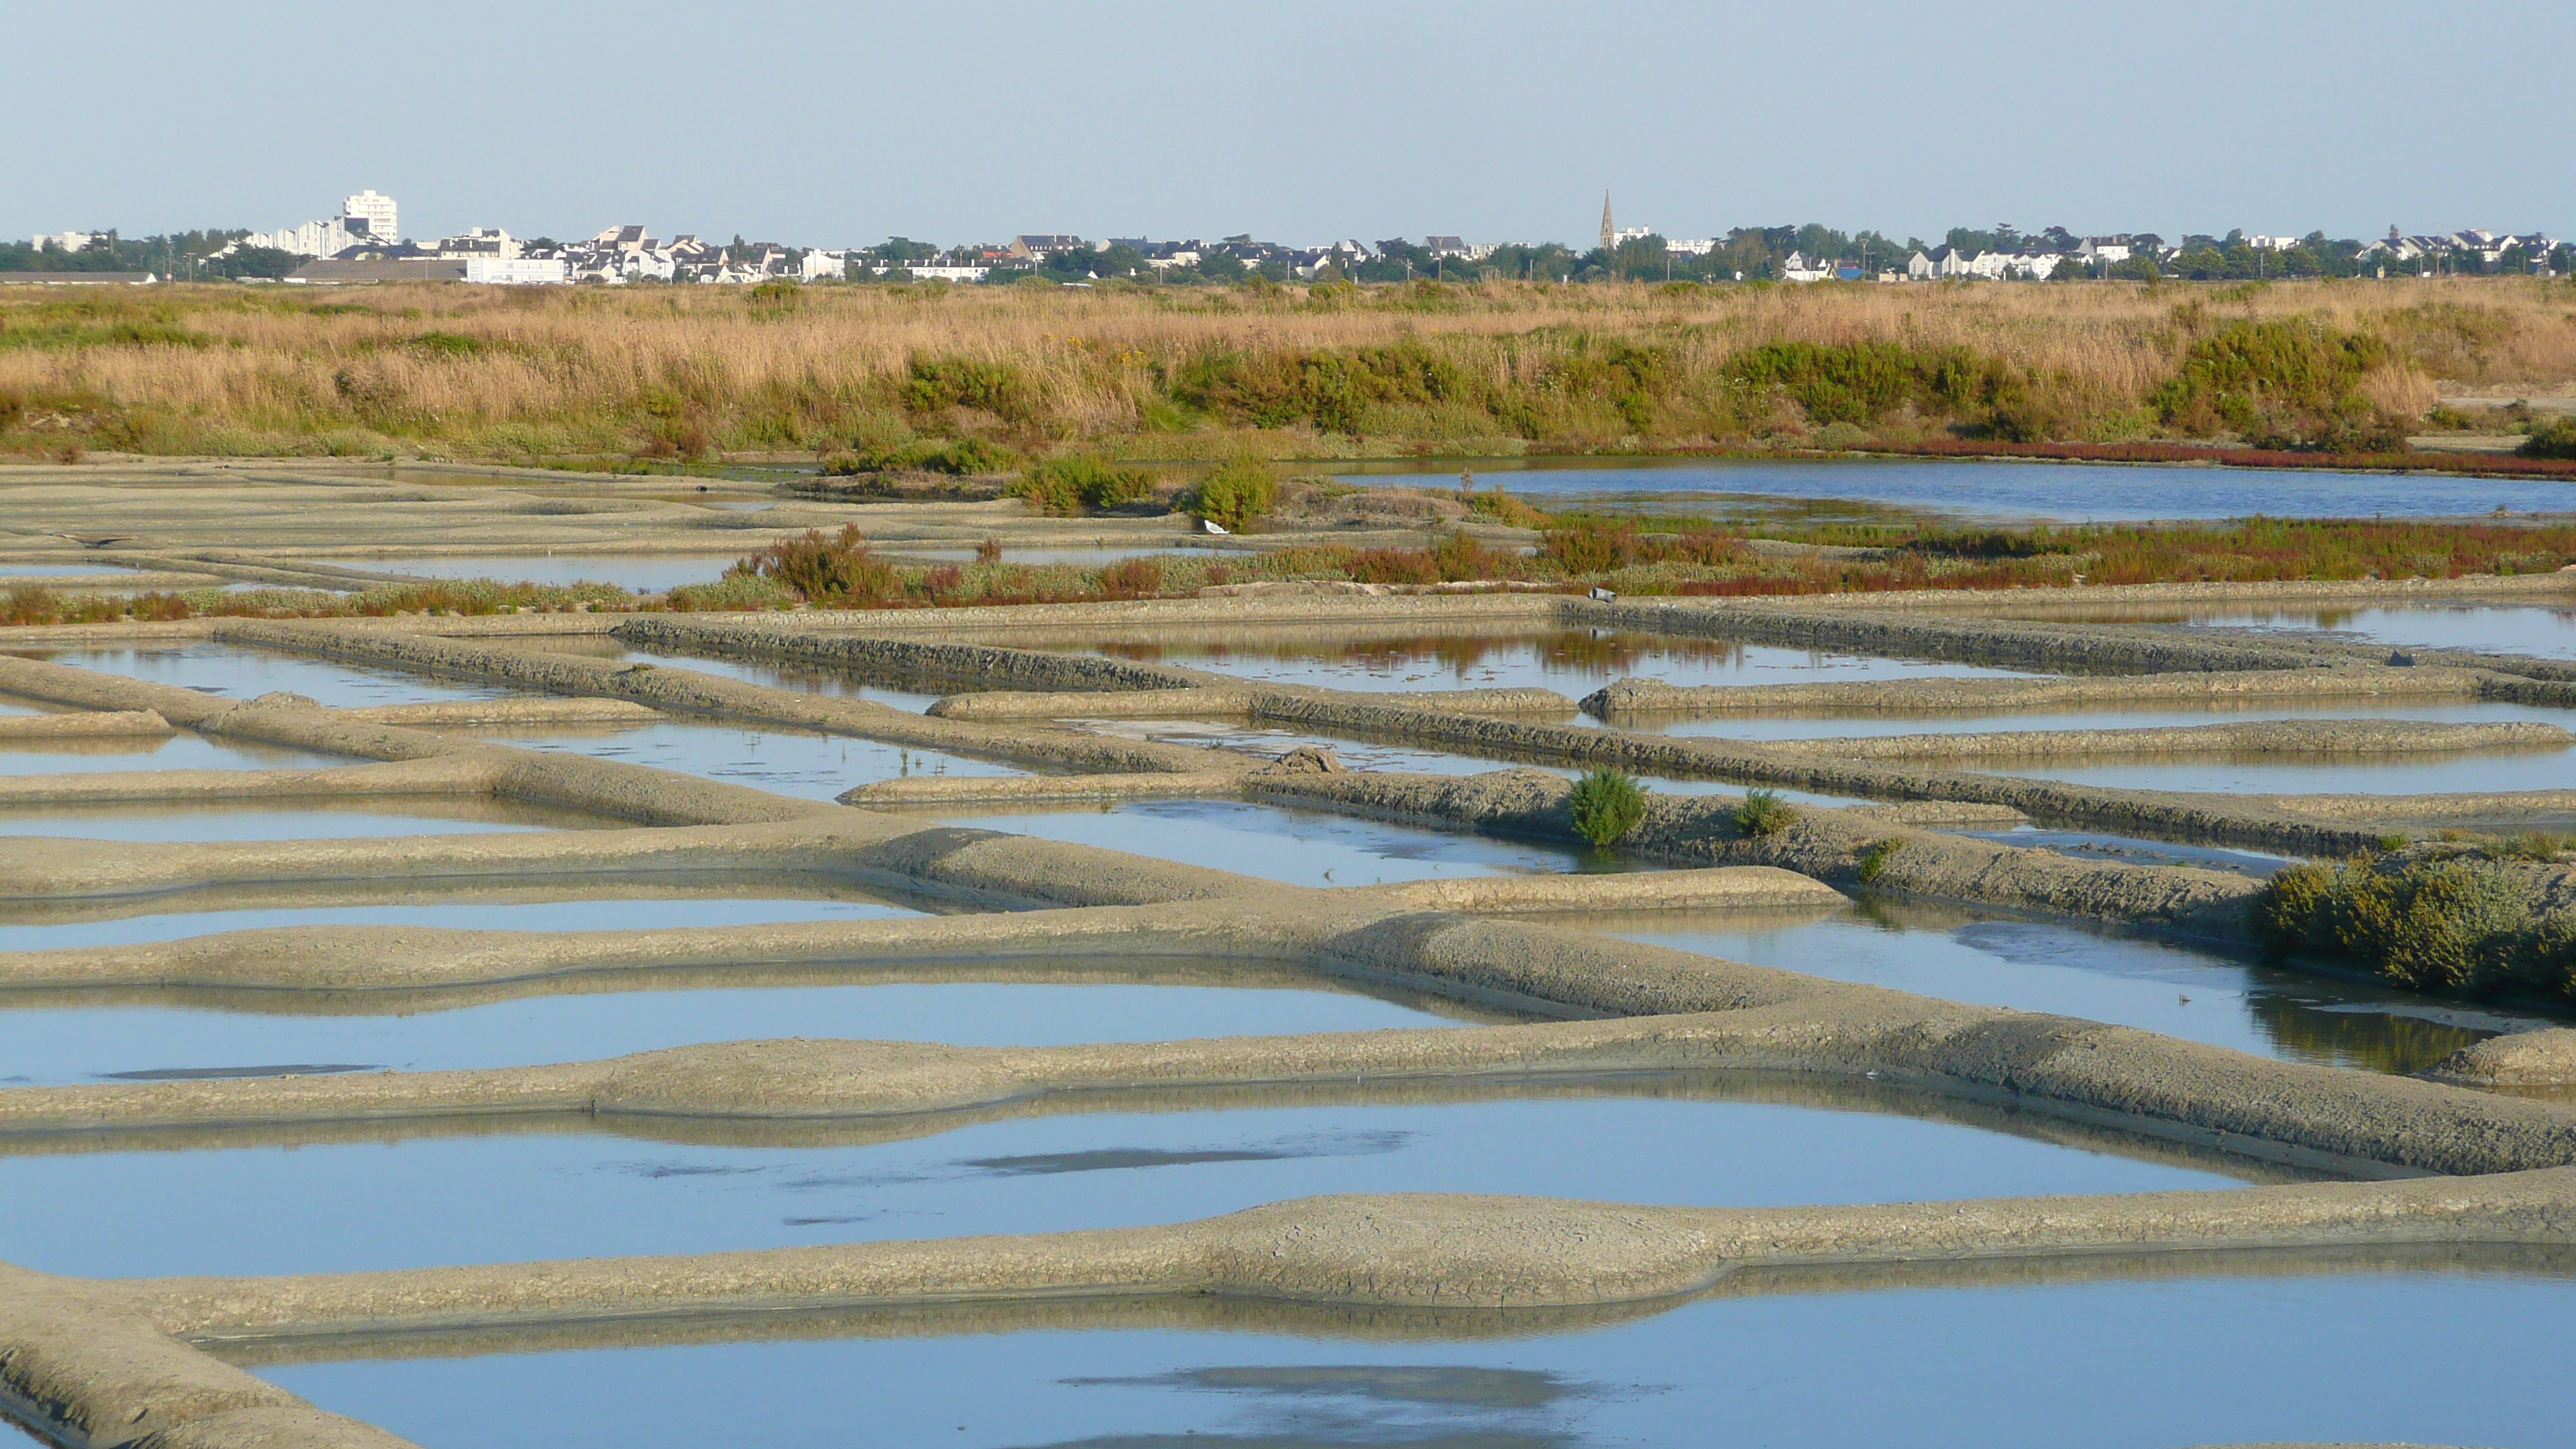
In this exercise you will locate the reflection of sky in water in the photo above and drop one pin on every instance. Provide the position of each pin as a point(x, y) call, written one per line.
point(138, 825)
point(801, 678)
point(1358, 754)
point(238, 673)
point(78, 1044)
point(2548, 633)
point(642, 573)
point(62, 570)
point(2074, 492)
point(1299, 847)
point(170, 752)
point(322, 1207)
point(2108, 1365)
point(2110, 717)
point(2197, 995)
point(816, 767)
point(2553, 769)
point(569, 915)
point(1571, 661)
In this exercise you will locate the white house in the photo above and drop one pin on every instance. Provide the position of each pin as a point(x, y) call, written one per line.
point(1796, 268)
point(823, 266)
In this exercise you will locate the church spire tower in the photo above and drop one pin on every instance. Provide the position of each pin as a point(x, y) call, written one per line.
point(1609, 228)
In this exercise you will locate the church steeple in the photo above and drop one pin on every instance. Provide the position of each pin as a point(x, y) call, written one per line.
point(1609, 228)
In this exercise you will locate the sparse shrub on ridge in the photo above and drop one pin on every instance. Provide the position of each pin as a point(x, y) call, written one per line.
point(1763, 813)
point(826, 569)
point(1241, 490)
point(1068, 485)
point(1607, 804)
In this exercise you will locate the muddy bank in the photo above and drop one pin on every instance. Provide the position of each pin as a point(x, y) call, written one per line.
point(2059, 648)
point(689, 692)
point(2266, 739)
point(1831, 846)
point(1654, 698)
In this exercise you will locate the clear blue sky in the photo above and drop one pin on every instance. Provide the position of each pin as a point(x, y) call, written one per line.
point(825, 124)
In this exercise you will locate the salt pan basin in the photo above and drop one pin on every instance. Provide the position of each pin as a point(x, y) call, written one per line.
point(370, 1199)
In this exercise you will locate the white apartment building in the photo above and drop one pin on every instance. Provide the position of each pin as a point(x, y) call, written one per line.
point(70, 241)
point(377, 211)
point(820, 265)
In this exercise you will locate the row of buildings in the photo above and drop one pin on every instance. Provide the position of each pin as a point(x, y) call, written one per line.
point(364, 243)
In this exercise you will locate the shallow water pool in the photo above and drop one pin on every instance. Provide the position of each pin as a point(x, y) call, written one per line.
point(2543, 630)
point(803, 679)
point(238, 673)
point(461, 816)
point(595, 913)
point(1271, 742)
point(816, 767)
point(170, 752)
point(1837, 725)
point(1571, 661)
point(2195, 994)
point(2155, 1361)
point(265, 1034)
point(423, 1200)
point(1299, 847)
point(640, 573)
point(1987, 490)
point(2494, 770)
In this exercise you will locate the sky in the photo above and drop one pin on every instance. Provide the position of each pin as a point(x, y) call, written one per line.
point(835, 125)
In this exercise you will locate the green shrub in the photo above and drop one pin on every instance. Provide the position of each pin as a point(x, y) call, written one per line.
point(2455, 925)
point(2289, 383)
point(1083, 480)
point(932, 383)
point(1763, 813)
point(1238, 492)
point(2392, 842)
point(2556, 439)
point(1607, 805)
point(1873, 857)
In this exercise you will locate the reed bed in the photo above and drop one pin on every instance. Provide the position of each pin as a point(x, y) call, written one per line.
point(667, 371)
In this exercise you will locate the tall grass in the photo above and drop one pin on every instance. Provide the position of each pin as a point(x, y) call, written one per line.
point(675, 371)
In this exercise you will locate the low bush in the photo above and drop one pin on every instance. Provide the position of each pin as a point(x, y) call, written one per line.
point(1607, 805)
point(2452, 925)
point(1874, 856)
point(1237, 493)
point(1068, 485)
point(1763, 813)
point(989, 551)
point(2553, 440)
point(1132, 578)
point(826, 569)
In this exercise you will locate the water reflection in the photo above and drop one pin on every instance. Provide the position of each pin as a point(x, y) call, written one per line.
point(2195, 993)
point(2166, 1340)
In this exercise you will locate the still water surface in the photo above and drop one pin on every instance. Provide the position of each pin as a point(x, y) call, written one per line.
point(1983, 491)
point(325, 1206)
point(2152, 1363)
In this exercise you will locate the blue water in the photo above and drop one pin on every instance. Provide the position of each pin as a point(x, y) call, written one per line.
point(568, 915)
point(54, 1045)
point(1300, 847)
point(170, 752)
point(815, 767)
point(181, 823)
point(418, 1201)
point(2151, 1364)
point(238, 673)
point(641, 573)
point(1992, 491)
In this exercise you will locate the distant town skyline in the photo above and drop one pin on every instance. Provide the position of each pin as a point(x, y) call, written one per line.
point(1501, 120)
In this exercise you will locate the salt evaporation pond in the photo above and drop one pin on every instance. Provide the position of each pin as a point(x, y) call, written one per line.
point(330, 1203)
point(2163, 1359)
point(1298, 847)
point(815, 767)
point(239, 673)
point(74, 755)
point(1982, 490)
point(259, 1034)
point(2179, 990)
point(595, 911)
point(639, 573)
point(1570, 661)
point(803, 679)
point(461, 816)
